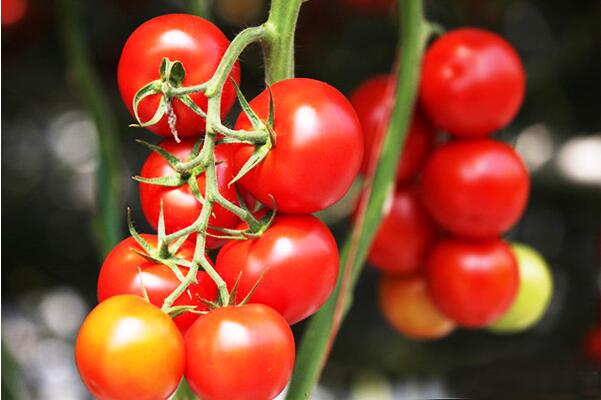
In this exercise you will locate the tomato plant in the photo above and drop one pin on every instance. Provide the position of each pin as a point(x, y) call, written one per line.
point(475, 188)
point(472, 83)
point(128, 349)
point(318, 149)
point(474, 283)
point(244, 352)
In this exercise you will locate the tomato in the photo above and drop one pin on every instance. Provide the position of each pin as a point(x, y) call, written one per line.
point(318, 150)
point(124, 270)
point(180, 207)
point(244, 352)
point(404, 236)
point(409, 309)
point(534, 293)
point(197, 44)
point(474, 283)
point(475, 188)
point(374, 104)
point(592, 345)
point(129, 349)
point(472, 83)
point(299, 259)
point(13, 11)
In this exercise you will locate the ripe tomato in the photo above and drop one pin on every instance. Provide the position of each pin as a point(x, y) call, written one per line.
point(299, 259)
point(534, 293)
point(129, 349)
point(592, 345)
point(408, 307)
point(13, 11)
point(472, 82)
point(318, 151)
point(475, 188)
point(197, 44)
point(373, 107)
point(404, 236)
point(244, 352)
point(180, 207)
point(473, 283)
point(124, 270)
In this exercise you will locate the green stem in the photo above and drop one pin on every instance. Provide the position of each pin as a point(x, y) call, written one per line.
point(278, 46)
point(201, 8)
point(108, 219)
point(323, 327)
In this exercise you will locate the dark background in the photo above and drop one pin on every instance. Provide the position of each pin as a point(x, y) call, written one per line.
point(51, 260)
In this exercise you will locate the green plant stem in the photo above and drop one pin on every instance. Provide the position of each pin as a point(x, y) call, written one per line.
point(323, 327)
point(108, 219)
point(201, 8)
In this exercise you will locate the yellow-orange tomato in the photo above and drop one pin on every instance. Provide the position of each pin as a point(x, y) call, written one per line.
point(129, 349)
point(408, 307)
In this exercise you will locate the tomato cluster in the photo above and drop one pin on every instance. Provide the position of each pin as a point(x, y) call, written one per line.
point(438, 245)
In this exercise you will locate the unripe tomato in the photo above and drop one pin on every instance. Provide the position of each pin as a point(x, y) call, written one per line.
point(197, 44)
point(475, 188)
point(408, 307)
point(474, 283)
point(129, 349)
point(318, 149)
point(180, 207)
point(405, 235)
point(373, 104)
point(472, 82)
point(534, 293)
point(297, 258)
point(239, 353)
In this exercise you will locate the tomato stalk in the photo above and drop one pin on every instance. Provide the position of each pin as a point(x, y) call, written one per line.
point(320, 334)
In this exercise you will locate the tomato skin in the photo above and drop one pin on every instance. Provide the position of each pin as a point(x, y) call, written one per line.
point(318, 151)
point(473, 283)
point(120, 275)
point(128, 349)
point(408, 307)
point(374, 105)
point(239, 353)
point(405, 235)
point(197, 44)
point(473, 82)
point(180, 206)
point(475, 188)
point(299, 258)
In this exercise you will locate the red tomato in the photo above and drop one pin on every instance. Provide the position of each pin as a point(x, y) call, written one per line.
point(237, 353)
point(197, 44)
point(299, 257)
point(408, 307)
point(124, 270)
point(472, 82)
point(318, 151)
point(128, 349)
point(592, 345)
point(474, 283)
point(475, 188)
point(404, 236)
point(13, 11)
point(373, 107)
point(180, 207)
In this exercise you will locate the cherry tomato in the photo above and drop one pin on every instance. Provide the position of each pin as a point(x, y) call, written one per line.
point(13, 11)
point(318, 150)
point(180, 207)
point(592, 345)
point(235, 353)
point(534, 293)
point(128, 349)
point(474, 283)
point(374, 104)
point(298, 259)
point(408, 307)
point(475, 188)
point(197, 44)
point(124, 271)
point(472, 82)
point(404, 236)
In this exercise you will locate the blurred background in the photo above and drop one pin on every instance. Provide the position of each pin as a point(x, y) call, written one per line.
point(59, 110)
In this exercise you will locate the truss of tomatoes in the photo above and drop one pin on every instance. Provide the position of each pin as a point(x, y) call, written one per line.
point(438, 247)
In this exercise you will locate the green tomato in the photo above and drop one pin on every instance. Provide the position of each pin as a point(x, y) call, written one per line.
point(534, 293)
